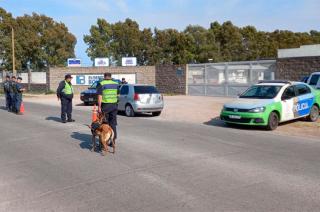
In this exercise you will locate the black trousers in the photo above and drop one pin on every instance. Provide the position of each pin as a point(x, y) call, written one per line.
point(8, 101)
point(66, 108)
point(13, 102)
point(111, 112)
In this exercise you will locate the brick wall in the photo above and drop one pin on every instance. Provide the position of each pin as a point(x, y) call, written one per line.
point(171, 79)
point(296, 68)
point(144, 74)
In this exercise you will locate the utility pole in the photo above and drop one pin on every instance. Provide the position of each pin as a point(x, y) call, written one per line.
point(13, 55)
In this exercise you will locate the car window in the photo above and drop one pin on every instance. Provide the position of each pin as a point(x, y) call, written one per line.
point(145, 89)
point(124, 90)
point(289, 93)
point(302, 90)
point(261, 92)
point(314, 79)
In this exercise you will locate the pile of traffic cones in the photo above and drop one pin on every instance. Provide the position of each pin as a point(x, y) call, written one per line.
point(94, 114)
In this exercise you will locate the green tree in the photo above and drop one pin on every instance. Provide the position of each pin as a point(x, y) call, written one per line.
point(99, 40)
point(6, 22)
point(40, 41)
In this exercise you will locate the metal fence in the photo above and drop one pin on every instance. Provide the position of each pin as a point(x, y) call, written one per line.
point(227, 79)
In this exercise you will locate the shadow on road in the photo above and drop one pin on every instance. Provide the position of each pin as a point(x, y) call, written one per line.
point(85, 139)
point(217, 122)
point(52, 118)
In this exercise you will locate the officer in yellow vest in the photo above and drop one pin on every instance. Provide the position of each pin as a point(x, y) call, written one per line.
point(108, 91)
point(65, 94)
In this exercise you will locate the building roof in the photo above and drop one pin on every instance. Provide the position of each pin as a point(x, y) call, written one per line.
point(303, 51)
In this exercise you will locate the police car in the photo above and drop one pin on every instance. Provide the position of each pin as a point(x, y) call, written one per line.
point(269, 103)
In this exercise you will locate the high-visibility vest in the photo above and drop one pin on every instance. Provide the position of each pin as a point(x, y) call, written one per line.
point(68, 89)
point(109, 91)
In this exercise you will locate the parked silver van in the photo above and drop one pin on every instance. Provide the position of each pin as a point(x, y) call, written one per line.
point(140, 99)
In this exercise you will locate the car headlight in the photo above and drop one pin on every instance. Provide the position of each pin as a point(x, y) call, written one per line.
point(257, 110)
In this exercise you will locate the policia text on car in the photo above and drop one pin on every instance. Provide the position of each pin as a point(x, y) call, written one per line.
point(65, 95)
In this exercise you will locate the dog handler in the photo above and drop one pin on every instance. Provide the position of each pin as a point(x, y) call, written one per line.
point(65, 94)
point(108, 91)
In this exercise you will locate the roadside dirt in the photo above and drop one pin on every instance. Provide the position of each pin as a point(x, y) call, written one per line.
point(198, 110)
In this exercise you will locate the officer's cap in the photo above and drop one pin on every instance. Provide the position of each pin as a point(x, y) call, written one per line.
point(68, 76)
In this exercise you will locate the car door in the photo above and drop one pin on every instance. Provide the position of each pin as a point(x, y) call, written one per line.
point(287, 102)
point(123, 97)
point(304, 102)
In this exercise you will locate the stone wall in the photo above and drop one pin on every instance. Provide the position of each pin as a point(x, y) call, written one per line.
point(296, 68)
point(171, 79)
point(144, 74)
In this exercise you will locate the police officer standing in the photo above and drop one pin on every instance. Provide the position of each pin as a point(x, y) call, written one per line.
point(123, 81)
point(6, 89)
point(13, 92)
point(18, 95)
point(65, 94)
point(108, 91)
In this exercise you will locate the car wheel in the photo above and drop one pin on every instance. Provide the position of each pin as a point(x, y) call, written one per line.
point(273, 121)
point(86, 103)
point(129, 111)
point(156, 113)
point(314, 114)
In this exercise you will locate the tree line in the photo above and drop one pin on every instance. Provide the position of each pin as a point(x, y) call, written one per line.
point(195, 44)
point(41, 42)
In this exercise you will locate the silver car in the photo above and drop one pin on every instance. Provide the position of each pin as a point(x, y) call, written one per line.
point(140, 99)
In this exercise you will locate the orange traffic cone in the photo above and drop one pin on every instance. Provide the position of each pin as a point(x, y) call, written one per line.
point(22, 108)
point(94, 114)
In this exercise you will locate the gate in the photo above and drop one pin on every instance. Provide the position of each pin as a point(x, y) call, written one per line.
point(227, 79)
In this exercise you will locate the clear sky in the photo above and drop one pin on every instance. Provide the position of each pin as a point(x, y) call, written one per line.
point(79, 15)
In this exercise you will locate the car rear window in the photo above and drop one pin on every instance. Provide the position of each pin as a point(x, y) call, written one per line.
point(145, 89)
point(314, 80)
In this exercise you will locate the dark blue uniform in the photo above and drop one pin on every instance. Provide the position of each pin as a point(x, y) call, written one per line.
point(18, 97)
point(66, 101)
point(6, 89)
point(13, 92)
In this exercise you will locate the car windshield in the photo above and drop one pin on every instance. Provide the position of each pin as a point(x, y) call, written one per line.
point(94, 85)
point(145, 89)
point(261, 92)
point(314, 79)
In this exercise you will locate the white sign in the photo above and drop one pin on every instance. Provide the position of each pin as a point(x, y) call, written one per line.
point(89, 79)
point(129, 61)
point(86, 79)
point(74, 62)
point(101, 62)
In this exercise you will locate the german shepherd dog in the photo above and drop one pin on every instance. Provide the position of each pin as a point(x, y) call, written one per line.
point(105, 133)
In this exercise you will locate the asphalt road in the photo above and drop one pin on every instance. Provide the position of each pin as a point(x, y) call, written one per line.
point(158, 166)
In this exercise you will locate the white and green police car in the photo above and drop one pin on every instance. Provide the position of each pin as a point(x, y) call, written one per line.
point(269, 103)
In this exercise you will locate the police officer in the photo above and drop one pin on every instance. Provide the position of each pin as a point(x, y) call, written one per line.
point(65, 94)
point(13, 92)
point(6, 89)
point(123, 81)
point(18, 95)
point(108, 91)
